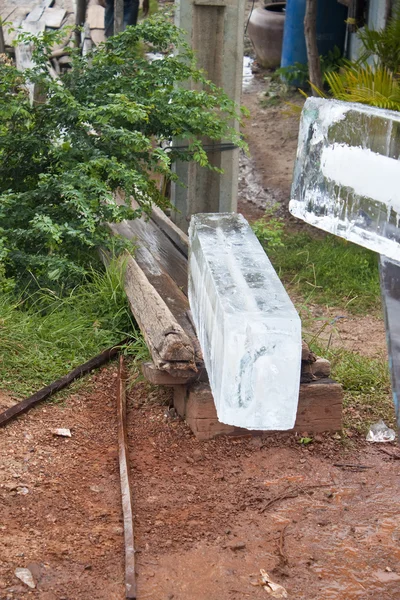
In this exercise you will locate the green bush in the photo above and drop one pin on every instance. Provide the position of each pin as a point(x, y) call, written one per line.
point(100, 129)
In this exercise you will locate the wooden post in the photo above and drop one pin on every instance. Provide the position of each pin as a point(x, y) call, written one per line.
point(79, 20)
point(310, 33)
point(214, 29)
point(118, 16)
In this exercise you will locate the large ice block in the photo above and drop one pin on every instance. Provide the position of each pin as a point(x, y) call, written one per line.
point(347, 173)
point(249, 330)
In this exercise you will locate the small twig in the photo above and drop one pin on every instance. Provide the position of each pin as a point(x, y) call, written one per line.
point(282, 553)
point(351, 466)
point(283, 496)
point(292, 493)
point(392, 456)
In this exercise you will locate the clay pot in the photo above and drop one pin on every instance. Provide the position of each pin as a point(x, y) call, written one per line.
point(266, 33)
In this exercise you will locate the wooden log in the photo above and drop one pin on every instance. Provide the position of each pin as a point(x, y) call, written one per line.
point(165, 338)
point(123, 454)
point(319, 409)
point(170, 379)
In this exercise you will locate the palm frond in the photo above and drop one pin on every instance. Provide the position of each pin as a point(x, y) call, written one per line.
point(374, 86)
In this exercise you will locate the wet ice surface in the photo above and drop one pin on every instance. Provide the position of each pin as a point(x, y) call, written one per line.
point(347, 173)
point(346, 181)
point(249, 330)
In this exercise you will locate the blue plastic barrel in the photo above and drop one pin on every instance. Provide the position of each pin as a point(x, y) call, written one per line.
point(331, 30)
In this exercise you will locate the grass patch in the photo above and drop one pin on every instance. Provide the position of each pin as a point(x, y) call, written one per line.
point(45, 336)
point(366, 385)
point(328, 270)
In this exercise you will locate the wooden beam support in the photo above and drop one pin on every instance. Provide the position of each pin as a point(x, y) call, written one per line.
point(319, 409)
point(169, 345)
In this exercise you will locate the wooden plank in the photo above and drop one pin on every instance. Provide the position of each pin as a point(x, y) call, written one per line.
point(35, 14)
point(165, 338)
point(175, 234)
point(95, 17)
point(173, 296)
point(53, 17)
point(127, 512)
point(15, 18)
point(155, 251)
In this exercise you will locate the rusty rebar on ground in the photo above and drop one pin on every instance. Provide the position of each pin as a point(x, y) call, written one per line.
point(60, 384)
point(130, 575)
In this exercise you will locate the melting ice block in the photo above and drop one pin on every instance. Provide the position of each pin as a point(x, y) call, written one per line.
point(347, 173)
point(248, 328)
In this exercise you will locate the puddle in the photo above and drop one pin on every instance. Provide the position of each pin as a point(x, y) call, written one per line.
point(248, 77)
point(250, 185)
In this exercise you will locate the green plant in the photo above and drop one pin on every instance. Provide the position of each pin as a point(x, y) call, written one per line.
point(328, 270)
point(100, 129)
point(376, 86)
point(298, 75)
point(44, 336)
point(383, 45)
point(269, 229)
point(305, 441)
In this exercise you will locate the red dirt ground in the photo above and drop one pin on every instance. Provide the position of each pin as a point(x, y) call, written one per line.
point(208, 515)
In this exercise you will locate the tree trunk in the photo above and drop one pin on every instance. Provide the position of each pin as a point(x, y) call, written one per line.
point(310, 32)
point(2, 44)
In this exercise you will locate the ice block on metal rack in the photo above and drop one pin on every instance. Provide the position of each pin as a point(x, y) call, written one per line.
point(347, 173)
point(248, 328)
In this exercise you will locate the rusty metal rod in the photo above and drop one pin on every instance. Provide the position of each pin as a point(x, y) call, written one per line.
point(130, 574)
point(60, 384)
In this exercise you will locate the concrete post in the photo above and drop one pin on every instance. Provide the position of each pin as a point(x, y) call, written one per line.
point(215, 30)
